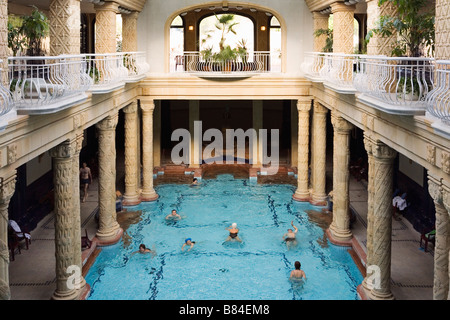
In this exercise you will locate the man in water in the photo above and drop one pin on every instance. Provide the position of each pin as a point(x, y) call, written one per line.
point(289, 236)
point(188, 242)
point(297, 274)
point(174, 215)
point(143, 249)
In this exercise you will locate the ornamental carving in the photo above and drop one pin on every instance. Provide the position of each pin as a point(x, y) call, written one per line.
point(431, 154)
point(445, 162)
point(12, 153)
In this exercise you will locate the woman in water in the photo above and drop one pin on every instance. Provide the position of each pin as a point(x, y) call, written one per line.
point(233, 233)
point(188, 242)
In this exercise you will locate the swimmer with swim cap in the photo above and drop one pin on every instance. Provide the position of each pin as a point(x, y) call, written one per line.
point(188, 242)
point(233, 232)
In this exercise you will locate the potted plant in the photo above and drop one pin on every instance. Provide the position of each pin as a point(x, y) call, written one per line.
point(34, 28)
point(226, 57)
point(329, 38)
point(414, 25)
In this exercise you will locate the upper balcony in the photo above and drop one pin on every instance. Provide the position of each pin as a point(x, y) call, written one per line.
point(48, 84)
point(253, 63)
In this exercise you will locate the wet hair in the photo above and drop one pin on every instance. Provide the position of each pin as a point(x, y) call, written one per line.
point(297, 265)
point(174, 210)
point(142, 246)
point(195, 179)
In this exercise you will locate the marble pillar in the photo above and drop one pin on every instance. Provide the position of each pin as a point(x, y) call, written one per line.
point(340, 226)
point(383, 163)
point(64, 25)
point(129, 31)
point(379, 45)
point(105, 27)
point(148, 192)
point(109, 229)
point(320, 22)
point(442, 240)
point(131, 195)
point(343, 27)
point(7, 189)
point(63, 172)
point(319, 143)
point(302, 192)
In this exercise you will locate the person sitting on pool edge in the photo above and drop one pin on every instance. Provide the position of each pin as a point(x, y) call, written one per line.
point(233, 232)
point(289, 236)
point(173, 215)
point(143, 249)
point(188, 242)
point(298, 273)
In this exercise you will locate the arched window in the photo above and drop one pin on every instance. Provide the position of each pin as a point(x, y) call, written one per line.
point(177, 36)
point(211, 35)
point(275, 35)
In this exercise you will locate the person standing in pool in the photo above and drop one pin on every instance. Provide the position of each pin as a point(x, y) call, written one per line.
point(298, 273)
point(233, 233)
point(289, 237)
point(188, 242)
point(173, 216)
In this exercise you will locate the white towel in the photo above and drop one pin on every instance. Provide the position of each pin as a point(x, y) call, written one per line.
point(399, 202)
point(16, 228)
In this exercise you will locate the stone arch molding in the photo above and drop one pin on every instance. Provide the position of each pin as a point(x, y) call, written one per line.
point(220, 4)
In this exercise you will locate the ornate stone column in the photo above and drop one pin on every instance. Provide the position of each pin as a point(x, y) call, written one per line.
point(369, 145)
point(442, 30)
point(131, 196)
point(340, 226)
point(4, 41)
point(64, 19)
point(148, 193)
point(105, 22)
point(294, 133)
point(302, 192)
point(78, 144)
point(343, 27)
point(109, 229)
point(383, 162)
point(320, 22)
point(379, 45)
point(7, 187)
point(63, 159)
point(319, 143)
point(129, 30)
point(442, 244)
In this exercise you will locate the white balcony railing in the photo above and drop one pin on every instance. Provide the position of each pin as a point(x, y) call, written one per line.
point(40, 85)
point(313, 62)
point(438, 99)
point(6, 103)
point(337, 72)
point(107, 71)
point(136, 64)
point(253, 63)
point(395, 85)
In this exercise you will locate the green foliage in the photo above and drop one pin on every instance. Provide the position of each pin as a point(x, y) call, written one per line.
point(29, 33)
point(414, 25)
point(329, 40)
point(225, 24)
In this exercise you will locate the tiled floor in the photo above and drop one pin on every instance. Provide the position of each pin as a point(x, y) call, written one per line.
point(33, 277)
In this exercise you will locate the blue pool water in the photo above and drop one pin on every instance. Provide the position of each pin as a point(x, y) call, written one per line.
point(257, 269)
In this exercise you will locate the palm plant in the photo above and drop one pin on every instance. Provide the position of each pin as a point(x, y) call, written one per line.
point(225, 24)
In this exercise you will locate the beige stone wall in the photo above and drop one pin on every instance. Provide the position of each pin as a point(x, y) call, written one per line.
point(442, 25)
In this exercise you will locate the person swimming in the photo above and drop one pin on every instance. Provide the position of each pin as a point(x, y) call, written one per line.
point(188, 242)
point(143, 249)
point(297, 274)
point(289, 237)
point(173, 215)
point(233, 232)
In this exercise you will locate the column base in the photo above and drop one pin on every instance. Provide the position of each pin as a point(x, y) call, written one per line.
point(147, 197)
point(362, 292)
point(319, 201)
point(69, 295)
point(108, 240)
point(375, 295)
point(84, 292)
point(302, 197)
point(131, 200)
point(344, 241)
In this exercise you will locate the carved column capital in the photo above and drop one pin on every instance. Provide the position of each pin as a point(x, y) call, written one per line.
point(109, 123)
point(340, 124)
point(147, 105)
point(304, 105)
point(65, 149)
point(131, 108)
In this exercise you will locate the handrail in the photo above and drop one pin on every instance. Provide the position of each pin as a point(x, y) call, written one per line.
point(438, 99)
